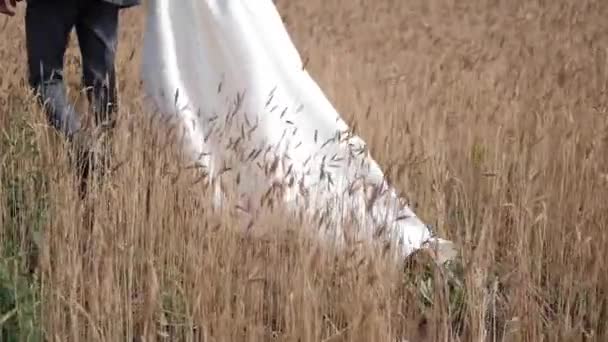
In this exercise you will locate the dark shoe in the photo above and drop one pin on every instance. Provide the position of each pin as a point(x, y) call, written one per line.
point(81, 154)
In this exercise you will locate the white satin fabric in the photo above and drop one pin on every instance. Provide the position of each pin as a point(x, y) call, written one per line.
point(228, 70)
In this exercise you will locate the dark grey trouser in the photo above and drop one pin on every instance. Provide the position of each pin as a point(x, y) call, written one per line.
point(48, 25)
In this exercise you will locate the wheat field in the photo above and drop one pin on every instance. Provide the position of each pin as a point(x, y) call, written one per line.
point(491, 116)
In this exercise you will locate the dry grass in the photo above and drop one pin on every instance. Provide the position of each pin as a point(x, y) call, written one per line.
point(492, 115)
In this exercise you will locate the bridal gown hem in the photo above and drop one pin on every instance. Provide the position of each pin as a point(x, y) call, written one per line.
point(229, 72)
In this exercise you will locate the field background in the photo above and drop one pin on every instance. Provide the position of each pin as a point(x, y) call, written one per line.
point(492, 116)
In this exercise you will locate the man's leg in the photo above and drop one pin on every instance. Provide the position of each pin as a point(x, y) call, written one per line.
point(97, 30)
point(48, 25)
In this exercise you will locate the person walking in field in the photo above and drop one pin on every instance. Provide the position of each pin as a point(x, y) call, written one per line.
point(48, 24)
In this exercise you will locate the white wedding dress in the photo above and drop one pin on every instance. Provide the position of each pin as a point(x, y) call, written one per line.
point(229, 72)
